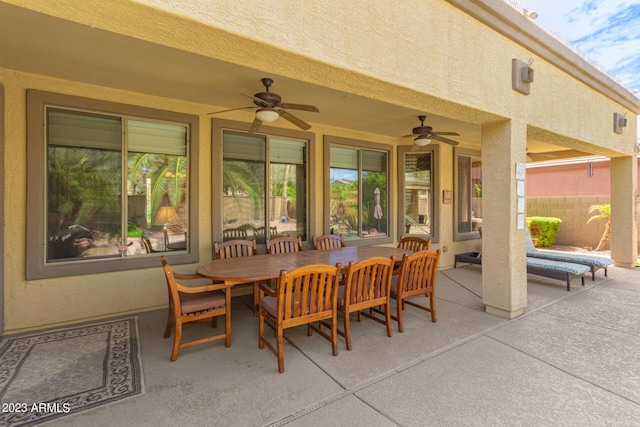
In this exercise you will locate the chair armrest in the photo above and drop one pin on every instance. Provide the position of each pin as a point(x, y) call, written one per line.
point(264, 287)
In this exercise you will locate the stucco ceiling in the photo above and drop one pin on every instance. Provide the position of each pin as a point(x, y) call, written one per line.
point(46, 45)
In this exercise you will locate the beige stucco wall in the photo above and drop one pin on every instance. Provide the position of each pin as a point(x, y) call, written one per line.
point(50, 301)
point(444, 70)
point(383, 61)
point(444, 61)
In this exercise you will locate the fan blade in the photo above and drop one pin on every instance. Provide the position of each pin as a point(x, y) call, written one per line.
point(300, 107)
point(296, 121)
point(231, 109)
point(255, 125)
point(446, 140)
point(407, 136)
point(445, 133)
point(257, 100)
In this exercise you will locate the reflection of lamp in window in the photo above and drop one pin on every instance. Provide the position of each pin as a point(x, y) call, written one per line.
point(165, 215)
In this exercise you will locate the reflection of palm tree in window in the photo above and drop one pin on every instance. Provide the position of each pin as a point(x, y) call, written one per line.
point(239, 178)
point(168, 177)
point(344, 204)
point(82, 183)
point(242, 178)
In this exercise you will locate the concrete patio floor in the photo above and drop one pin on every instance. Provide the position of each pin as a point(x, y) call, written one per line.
point(572, 359)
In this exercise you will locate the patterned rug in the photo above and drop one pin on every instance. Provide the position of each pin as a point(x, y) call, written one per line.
point(48, 375)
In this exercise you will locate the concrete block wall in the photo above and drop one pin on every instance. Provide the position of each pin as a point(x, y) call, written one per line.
point(574, 213)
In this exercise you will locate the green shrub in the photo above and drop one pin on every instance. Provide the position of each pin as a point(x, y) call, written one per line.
point(133, 231)
point(544, 228)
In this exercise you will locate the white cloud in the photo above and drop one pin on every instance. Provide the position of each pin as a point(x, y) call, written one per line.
point(606, 32)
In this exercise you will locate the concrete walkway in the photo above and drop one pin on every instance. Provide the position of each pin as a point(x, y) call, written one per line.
point(572, 359)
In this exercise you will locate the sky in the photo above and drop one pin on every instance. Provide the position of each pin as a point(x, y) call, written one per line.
point(605, 32)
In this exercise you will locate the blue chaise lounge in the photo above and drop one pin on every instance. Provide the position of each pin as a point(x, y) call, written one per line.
point(558, 266)
point(594, 262)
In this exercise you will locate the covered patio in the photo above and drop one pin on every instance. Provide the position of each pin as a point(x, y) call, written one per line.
point(570, 359)
point(508, 90)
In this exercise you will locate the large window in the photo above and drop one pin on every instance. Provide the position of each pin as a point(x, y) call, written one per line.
point(116, 186)
point(419, 188)
point(468, 208)
point(358, 190)
point(264, 186)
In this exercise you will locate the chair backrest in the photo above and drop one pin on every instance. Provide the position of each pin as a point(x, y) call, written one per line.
point(172, 285)
point(418, 272)
point(234, 248)
point(234, 233)
point(282, 245)
point(368, 280)
point(328, 241)
point(146, 244)
point(259, 231)
point(414, 244)
point(307, 294)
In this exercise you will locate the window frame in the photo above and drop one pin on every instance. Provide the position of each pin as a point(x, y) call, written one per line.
point(328, 141)
point(36, 265)
point(218, 126)
point(457, 235)
point(434, 150)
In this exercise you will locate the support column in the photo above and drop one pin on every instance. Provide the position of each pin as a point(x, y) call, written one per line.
point(504, 273)
point(624, 225)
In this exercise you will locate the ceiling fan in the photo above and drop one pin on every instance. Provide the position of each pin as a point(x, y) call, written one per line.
point(270, 107)
point(425, 134)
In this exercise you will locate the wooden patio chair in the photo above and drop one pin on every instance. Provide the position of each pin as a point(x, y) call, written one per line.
point(303, 296)
point(146, 244)
point(234, 248)
point(193, 304)
point(234, 233)
point(281, 245)
point(413, 244)
point(328, 241)
point(417, 277)
point(367, 286)
point(260, 233)
point(238, 248)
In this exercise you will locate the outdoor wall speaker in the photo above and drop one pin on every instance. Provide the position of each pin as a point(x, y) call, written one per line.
point(521, 76)
point(619, 122)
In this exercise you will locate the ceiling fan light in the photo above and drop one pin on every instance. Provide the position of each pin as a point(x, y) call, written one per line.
point(422, 140)
point(267, 115)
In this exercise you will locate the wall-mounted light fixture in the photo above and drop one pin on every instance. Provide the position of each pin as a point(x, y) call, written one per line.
point(267, 115)
point(422, 140)
point(619, 122)
point(521, 76)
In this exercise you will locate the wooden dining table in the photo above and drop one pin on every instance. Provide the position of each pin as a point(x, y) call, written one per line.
point(241, 270)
